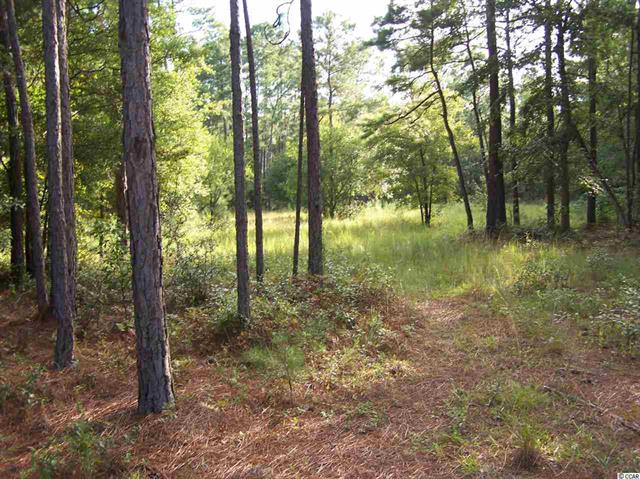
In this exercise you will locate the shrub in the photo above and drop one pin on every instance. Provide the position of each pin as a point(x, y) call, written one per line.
point(540, 275)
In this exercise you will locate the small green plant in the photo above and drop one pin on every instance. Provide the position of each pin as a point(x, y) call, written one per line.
point(282, 359)
point(619, 324)
point(527, 455)
point(86, 446)
point(469, 464)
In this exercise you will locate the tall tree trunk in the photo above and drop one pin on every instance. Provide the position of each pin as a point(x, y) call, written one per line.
point(450, 135)
point(480, 131)
point(242, 254)
point(626, 132)
point(314, 189)
point(61, 305)
point(155, 386)
point(636, 167)
point(496, 209)
point(511, 91)
point(565, 194)
point(549, 167)
point(67, 151)
point(571, 132)
point(15, 166)
point(31, 179)
point(296, 238)
point(255, 133)
point(593, 133)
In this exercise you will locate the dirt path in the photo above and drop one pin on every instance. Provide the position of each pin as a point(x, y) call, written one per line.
point(450, 398)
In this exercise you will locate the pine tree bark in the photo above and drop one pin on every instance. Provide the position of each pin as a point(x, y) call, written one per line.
point(67, 151)
point(15, 164)
point(496, 209)
point(296, 238)
point(593, 133)
point(155, 387)
point(314, 189)
point(61, 305)
point(549, 167)
point(511, 92)
point(34, 235)
point(242, 254)
point(255, 134)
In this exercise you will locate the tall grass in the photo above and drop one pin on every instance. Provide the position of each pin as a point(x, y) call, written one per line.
point(422, 262)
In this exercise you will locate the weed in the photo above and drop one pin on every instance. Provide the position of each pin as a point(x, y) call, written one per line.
point(283, 359)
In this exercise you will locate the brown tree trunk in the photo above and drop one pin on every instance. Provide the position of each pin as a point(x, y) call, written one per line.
point(511, 92)
point(255, 133)
point(31, 180)
point(549, 169)
point(242, 254)
point(67, 151)
point(593, 134)
point(15, 166)
point(636, 167)
point(450, 135)
point(626, 133)
point(296, 238)
point(496, 210)
point(61, 305)
point(314, 189)
point(155, 387)
point(480, 132)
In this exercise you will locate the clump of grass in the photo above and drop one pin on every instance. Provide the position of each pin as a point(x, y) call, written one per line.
point(527, 456)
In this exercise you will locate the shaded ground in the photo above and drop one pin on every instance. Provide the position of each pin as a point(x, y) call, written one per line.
point(453, 389)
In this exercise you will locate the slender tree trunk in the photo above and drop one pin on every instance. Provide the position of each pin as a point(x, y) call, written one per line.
point(565, 194)
point(15, 166)
point(255, 133)
point(67, 151)
point(242, 254)
point(420, 203)
point(571, 132)
point(450, 135)
point(593, 134)
point(636, 166)
point(314, 189)
point(61, 305)
point(480, 132)
point(31, 180)
point(296, 239)
point(549, 167)
point(155, 387)
point(496, 210)
point(511, 91)
point(626, 133)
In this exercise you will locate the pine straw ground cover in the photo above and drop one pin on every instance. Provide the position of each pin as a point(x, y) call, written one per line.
point(447, 388)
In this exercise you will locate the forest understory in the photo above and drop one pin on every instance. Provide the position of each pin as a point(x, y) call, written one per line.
point(343, 377)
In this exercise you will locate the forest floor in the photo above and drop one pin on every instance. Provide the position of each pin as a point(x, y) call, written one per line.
point(519, 360)
point(466, 396)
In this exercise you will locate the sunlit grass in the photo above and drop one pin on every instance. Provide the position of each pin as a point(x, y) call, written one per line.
point(442, 260)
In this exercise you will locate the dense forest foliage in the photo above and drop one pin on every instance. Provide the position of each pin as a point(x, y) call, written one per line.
point(325, 210)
